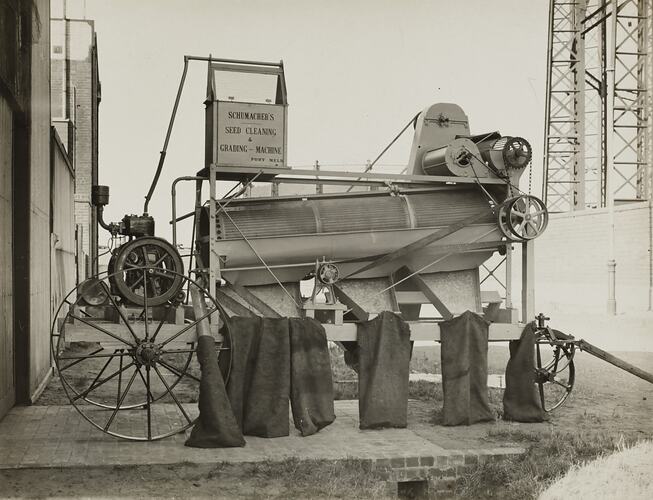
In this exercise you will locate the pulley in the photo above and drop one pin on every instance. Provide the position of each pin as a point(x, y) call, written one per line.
point(517, 153)
point(93, 292)
point(328, 273)
point(506, 154)
point(460, 158)
point(523, 218)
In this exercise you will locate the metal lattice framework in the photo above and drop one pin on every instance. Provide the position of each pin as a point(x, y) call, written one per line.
point(593, 188)
point(582, 109)
point(563, 161)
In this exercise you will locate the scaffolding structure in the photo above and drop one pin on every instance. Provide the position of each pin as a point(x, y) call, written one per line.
point(599, 129)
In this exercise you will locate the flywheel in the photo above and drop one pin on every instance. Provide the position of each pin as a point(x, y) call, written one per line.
point(147, 266)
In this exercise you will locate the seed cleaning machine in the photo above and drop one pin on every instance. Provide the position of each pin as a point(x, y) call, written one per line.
point(362, 242)
point(385, 242)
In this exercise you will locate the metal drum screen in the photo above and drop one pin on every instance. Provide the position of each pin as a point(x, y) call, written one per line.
point(268, 218)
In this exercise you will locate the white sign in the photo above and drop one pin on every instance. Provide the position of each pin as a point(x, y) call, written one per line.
point(250, 134)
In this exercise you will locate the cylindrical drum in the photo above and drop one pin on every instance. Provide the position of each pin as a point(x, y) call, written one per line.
point(460, 158)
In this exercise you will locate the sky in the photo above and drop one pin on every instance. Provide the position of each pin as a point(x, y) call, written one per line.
point(356, 72)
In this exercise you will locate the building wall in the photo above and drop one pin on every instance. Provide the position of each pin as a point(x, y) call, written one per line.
point(39, 348)
point(15, 65)
point(62, 238)
point(25, 199)
point(6, 264)
point(75, 94)
point(571, 272)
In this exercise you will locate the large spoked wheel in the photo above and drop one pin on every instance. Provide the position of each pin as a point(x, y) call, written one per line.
point(555, 373)
point(159, 257)
point(130, 371)
point(523, 217)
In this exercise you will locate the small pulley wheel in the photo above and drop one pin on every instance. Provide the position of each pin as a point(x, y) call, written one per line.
point(517, 153)
point(147, 266)
point(328, 273)
point(523, 217)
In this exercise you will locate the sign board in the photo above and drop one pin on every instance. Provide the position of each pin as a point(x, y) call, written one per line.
point(251, 135)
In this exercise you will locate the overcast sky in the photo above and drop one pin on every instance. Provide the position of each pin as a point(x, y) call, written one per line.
point(356, 72)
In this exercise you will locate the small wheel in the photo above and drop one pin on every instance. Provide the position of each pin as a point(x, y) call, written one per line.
point(163, 279)
point(328, 273)
point(523, 218)
point(128, 370)
point(517, 153)
point(555, 373)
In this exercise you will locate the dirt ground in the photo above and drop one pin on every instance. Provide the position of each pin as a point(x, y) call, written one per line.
point(606, 403)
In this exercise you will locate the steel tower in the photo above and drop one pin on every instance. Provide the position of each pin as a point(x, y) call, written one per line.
point(598, 129)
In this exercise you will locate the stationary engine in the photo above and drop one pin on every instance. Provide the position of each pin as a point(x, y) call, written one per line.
point(146, 268)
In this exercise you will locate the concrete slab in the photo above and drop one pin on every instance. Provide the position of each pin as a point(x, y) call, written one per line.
point(57, 436)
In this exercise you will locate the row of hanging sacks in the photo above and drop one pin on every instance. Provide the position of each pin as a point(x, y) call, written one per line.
point(272, 361)
point(464, 341)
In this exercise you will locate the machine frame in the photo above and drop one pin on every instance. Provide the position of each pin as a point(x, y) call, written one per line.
point(420, 330)
point(213, 173)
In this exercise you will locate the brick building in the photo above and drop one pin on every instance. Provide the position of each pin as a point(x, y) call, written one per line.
point(75, 98)
point(571, 272)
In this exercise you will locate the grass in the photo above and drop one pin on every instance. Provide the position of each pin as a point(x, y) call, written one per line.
point(289, 478)
point(548, 457)
point(346, 478)
point(300, 478)
point(421, 362)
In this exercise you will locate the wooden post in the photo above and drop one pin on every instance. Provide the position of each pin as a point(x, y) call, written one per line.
point(509, 276)
point(429, 294)
point(214, 257)
point(319, 188)
point(254, 301)
point(527, 281)
point(606, 356)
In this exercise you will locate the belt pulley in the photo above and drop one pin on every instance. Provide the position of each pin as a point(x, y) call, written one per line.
point(523, 217)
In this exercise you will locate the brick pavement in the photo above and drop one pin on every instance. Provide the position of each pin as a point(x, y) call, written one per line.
point(57, 436)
